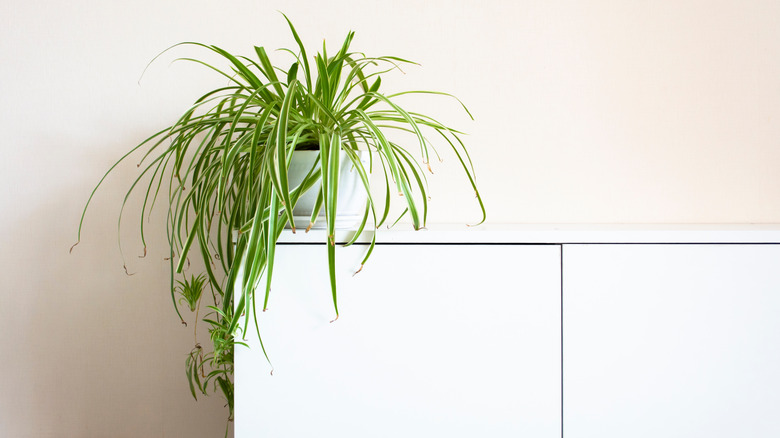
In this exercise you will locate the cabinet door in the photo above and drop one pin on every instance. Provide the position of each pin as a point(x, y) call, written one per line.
point(432, 340)
point(671, 340)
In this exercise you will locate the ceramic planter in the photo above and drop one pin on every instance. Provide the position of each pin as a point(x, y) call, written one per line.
point(352, 195)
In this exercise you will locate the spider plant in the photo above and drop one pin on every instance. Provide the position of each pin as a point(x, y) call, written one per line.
point(223, 168)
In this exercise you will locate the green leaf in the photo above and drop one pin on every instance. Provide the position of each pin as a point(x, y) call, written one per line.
point(268, 69)
point(292, 73)
point(280, 166)
point(305, 58)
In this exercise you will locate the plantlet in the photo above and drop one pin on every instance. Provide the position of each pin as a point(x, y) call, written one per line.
point(191, 290)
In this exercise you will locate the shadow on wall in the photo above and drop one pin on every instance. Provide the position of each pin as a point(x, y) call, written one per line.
point(93, 352)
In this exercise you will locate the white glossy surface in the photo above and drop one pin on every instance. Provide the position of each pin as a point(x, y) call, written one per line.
point(671, 340)
point(560, 233)
point(451, 341)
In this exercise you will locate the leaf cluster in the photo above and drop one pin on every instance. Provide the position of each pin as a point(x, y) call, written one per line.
point(223, 169)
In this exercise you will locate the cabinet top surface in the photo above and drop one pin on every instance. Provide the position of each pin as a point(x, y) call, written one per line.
point(555, 234)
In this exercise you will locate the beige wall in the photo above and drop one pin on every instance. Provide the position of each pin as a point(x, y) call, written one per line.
point(586, 111)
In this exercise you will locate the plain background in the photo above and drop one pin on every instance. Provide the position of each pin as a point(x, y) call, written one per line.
point(585, 112)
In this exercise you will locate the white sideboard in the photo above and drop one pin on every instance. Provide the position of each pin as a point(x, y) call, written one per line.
point(521, 331)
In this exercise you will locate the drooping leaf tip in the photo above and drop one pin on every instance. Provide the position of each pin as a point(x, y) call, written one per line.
point(70, 251)
point(477, 224)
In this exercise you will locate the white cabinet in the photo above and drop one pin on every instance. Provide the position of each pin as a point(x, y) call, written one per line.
point(522, 333)
point(671, 340)
point(433, 340)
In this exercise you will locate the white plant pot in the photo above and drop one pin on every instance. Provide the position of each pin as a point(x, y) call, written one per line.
point(352, 196)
